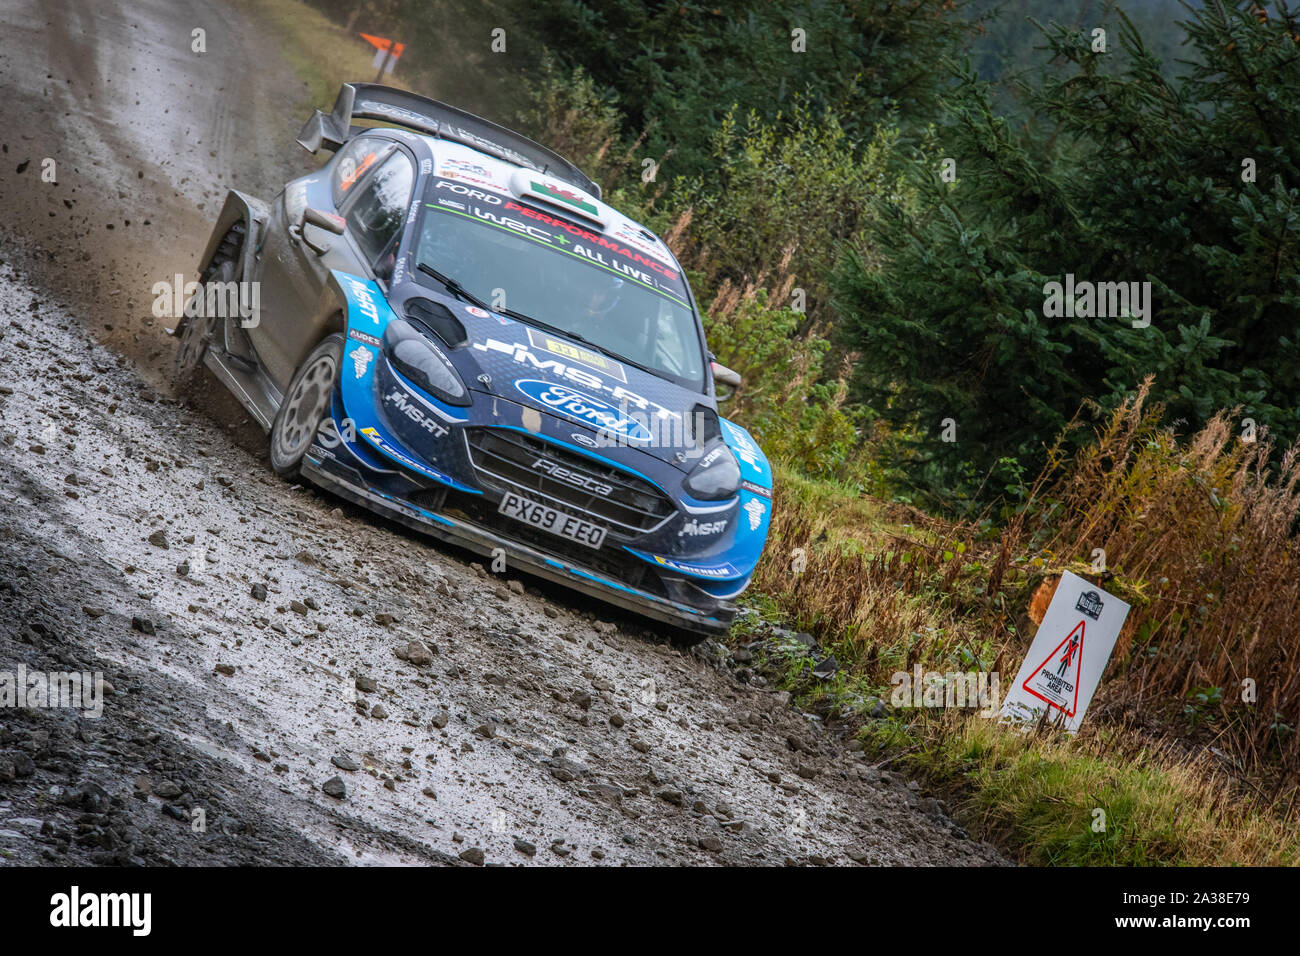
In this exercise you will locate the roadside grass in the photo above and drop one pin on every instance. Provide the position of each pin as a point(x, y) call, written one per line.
point(1187, 775)
point(839, 510)
point(1096, 800)
point(319, 51)
point(881, 585)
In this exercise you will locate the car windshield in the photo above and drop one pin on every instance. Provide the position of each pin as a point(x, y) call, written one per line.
point(589, 285)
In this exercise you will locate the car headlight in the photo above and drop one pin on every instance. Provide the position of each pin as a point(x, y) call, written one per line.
point(423, 363)
point(717, 476)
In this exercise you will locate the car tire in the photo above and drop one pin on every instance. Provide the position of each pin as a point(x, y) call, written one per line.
point(306, 404)
point(195, 332)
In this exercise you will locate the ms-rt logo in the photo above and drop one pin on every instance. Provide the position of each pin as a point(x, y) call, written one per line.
point(76, 909)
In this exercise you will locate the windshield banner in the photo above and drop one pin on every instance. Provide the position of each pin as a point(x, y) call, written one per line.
point(610, 254)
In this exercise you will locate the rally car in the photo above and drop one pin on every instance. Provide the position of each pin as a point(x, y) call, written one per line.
point(445, 324)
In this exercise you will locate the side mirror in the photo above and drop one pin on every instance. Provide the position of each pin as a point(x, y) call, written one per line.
point(324, 220)
point(725, 377)
point(317, 221)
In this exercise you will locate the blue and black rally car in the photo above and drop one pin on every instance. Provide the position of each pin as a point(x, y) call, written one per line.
point(447, 325)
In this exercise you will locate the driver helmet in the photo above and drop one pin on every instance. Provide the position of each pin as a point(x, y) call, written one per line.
point(600, 298)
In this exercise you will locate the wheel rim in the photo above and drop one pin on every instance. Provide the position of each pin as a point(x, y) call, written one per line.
point(305, 408)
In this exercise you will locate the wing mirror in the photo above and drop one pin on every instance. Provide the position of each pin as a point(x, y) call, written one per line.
point(314, 223)
point(723, 376)
point(324, 220)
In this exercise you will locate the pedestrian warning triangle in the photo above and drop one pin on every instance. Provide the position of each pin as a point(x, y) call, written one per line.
point(1068, 673)
point(1056, 680)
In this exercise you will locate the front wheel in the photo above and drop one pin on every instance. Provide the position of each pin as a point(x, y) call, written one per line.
point(196, 330)
point(305, 405)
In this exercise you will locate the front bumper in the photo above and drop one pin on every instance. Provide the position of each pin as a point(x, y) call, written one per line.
point(699, 612)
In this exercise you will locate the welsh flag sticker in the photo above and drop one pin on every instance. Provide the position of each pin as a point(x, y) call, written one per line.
point(560, 194)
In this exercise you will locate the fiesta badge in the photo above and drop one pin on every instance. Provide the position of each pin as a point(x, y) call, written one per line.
point(581, 407)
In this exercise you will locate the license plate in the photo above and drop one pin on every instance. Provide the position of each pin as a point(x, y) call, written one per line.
point(548, 519)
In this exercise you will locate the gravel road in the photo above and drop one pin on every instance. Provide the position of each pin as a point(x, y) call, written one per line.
point(289, 679)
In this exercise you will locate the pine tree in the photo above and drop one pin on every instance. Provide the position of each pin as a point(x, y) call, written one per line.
point(679, 69)
point(1190, 184)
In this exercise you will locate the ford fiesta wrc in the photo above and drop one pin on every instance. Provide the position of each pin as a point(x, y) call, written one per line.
point(454, 330)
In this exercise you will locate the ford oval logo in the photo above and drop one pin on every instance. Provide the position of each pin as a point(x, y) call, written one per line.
point(584, 408)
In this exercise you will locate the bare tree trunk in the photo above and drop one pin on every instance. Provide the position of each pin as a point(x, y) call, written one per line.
point(352, 20)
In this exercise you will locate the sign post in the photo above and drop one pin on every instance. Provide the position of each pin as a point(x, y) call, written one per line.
point(1069, 653)
point(387, 53)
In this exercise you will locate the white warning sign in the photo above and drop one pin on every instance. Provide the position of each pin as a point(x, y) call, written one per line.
point(1069, 653)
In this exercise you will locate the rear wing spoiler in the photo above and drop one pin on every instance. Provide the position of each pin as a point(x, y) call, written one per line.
point(412, 111)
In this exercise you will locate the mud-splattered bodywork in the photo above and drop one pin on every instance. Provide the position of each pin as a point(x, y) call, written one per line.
point(593, 453)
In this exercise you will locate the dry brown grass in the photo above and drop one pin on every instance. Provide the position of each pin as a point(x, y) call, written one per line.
point(879, 582)
point(1200, 535)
